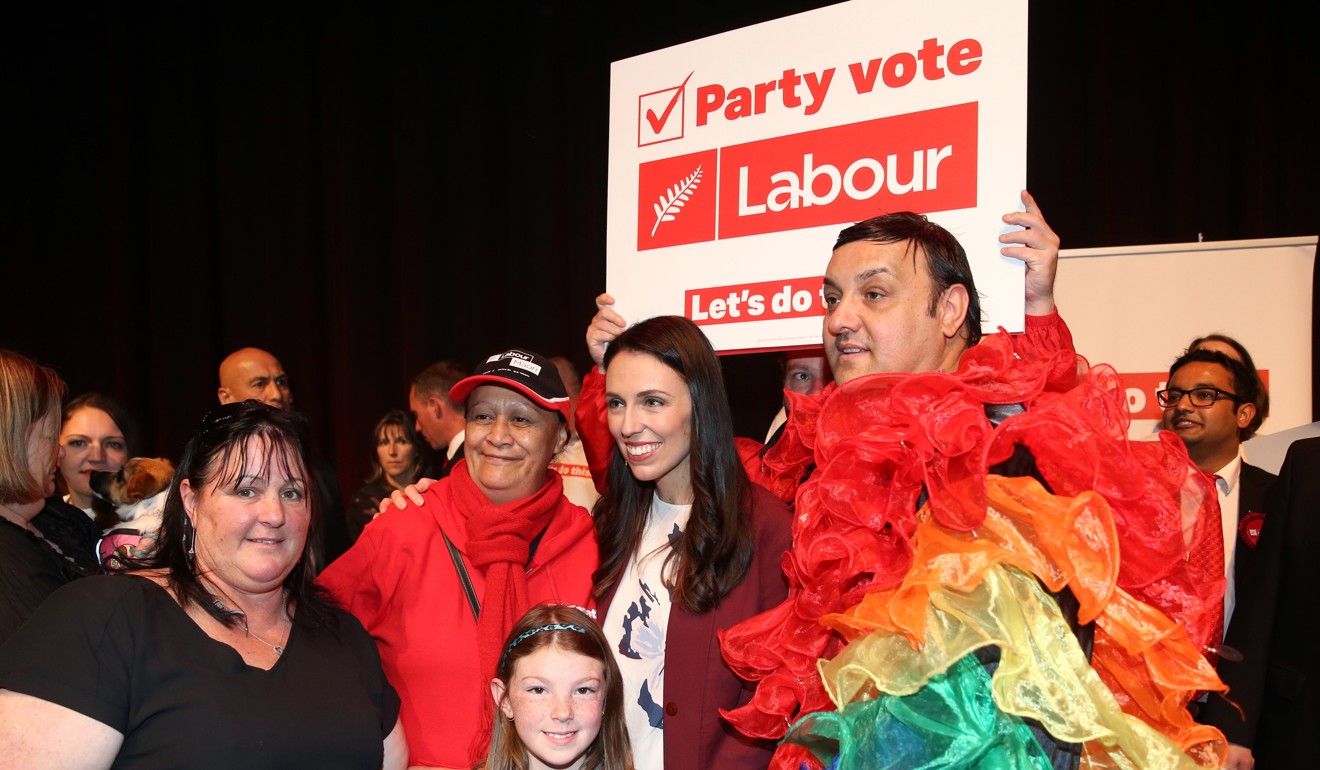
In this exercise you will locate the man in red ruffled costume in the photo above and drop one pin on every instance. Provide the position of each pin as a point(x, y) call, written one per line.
point(956, 593)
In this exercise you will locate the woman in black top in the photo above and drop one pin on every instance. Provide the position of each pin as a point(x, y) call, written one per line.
point(216, 650)
point(43, 544)
point(396, 461)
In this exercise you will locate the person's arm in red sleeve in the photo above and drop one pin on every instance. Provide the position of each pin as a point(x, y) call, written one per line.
point(1045, 336)
point(1037, 246)
point(590, 415)
point(592, 427)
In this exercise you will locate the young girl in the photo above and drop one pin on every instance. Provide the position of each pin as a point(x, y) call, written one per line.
point(558, 697)
point(688, 545)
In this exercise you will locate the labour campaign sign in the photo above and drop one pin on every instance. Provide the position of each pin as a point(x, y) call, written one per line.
point(735, 160)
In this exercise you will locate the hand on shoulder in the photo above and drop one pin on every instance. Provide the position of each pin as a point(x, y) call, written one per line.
point(400, 498)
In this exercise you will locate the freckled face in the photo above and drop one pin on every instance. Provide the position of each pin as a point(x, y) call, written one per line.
point(556, 700)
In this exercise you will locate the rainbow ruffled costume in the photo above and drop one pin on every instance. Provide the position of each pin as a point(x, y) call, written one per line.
point(910, 555)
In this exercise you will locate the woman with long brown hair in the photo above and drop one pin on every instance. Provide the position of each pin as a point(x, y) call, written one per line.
point(688, 545)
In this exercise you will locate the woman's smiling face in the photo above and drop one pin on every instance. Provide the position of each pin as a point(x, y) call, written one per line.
point(508, 442)
point(555, 699)
point(649, 410)
point(251, 519)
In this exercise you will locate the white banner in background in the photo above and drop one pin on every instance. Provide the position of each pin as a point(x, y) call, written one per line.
point(736, 159)
point(1137, 308)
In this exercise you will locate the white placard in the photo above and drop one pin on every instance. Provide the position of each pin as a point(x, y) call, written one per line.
point(736, 159)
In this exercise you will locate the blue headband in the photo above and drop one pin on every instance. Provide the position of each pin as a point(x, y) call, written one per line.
point(524, 636)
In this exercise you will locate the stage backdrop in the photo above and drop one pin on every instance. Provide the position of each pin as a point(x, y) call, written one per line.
point(1136, 308)
point(734, 159)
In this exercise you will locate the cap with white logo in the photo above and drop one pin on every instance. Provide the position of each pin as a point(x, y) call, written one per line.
point(531, 374)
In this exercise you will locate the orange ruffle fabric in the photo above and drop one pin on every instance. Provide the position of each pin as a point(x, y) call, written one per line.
point(1146, 661)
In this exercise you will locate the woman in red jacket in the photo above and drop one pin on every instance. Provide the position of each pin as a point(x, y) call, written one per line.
point(439, 584)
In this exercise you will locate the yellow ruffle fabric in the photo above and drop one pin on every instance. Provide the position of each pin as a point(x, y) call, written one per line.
point(967, 590)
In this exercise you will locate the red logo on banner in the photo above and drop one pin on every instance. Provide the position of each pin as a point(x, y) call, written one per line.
point(924, 161)
point(763, 301)
point(661, 114)
point(676, 200)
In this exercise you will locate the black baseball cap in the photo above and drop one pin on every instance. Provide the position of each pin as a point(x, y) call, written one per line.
point(531, 374)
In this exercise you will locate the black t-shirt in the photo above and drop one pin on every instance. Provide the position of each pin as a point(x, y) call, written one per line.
point(120, 650)
point(31, 568)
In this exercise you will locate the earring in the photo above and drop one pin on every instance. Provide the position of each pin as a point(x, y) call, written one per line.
point(189, 542)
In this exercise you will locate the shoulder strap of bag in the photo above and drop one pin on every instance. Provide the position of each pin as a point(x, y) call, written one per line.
point(463, 577)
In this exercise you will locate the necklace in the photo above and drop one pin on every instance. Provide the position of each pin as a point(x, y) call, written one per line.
point(242, 618)
point(278, 648)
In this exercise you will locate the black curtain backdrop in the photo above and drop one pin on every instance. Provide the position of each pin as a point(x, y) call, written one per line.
point(364, 188)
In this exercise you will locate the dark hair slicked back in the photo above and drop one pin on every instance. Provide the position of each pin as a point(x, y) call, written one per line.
point(946, 260)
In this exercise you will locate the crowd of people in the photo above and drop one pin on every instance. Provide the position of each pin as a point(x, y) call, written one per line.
point(945, 552)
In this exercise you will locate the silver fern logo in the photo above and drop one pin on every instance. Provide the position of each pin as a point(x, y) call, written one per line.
point(672, 201)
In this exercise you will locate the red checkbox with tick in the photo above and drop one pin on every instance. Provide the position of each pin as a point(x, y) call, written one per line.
point(660, 114)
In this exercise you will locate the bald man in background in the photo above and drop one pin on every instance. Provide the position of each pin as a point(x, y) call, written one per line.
point(253, 373)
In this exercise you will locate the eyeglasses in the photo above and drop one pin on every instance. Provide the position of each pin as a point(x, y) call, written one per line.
point(1201, 398)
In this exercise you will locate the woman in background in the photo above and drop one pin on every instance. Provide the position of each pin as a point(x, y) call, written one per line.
point(395, 463)
point(95, 436)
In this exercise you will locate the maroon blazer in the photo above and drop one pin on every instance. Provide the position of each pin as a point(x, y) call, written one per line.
point(698, 683)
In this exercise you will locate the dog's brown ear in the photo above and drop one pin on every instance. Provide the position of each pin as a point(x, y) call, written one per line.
point(138, 486)
point(146, 477)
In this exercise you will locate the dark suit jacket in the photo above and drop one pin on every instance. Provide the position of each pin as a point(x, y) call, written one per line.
point(697, 682)
point(1254, 485)
point(1276, 626)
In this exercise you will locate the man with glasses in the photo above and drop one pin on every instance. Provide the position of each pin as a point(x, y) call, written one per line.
point(1210, 403)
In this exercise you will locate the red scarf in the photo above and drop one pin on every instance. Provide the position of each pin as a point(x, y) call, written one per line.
point(499, 544)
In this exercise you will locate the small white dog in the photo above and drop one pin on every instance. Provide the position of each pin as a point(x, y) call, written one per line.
point(138, 492)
